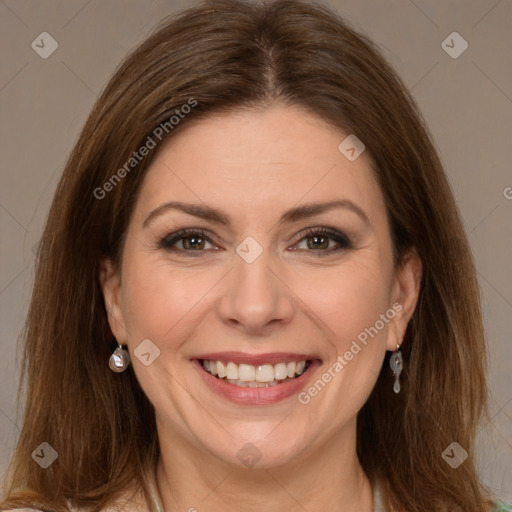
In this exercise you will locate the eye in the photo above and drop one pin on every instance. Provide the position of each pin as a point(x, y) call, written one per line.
point(319, 241)
point(190, 240)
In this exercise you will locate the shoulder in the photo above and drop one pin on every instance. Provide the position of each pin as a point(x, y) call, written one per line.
point(501, 506)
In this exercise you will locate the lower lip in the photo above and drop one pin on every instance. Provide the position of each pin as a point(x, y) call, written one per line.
point(255, 396)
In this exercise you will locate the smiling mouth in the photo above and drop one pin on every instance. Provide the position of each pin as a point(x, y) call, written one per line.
point(255, 376)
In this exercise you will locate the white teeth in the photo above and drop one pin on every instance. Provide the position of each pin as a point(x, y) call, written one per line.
point(264, 373)
point(221, 369)
point(280, 371)
point(290, 368)
point(232, 371)
point(244, 384)
point(248, 375)
point(246, 372)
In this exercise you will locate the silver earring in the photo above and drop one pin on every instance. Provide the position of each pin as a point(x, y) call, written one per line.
point(397, 364)
point(120, 359)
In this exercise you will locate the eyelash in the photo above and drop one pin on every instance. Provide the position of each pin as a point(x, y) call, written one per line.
point(344, 242)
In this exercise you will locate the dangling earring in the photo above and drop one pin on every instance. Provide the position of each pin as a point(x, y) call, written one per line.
point(397, 364)
point(120, 359)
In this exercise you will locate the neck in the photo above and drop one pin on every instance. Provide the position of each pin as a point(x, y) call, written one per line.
point(325, 476)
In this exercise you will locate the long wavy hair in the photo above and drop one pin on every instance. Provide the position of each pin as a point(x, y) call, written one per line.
point(226, 55)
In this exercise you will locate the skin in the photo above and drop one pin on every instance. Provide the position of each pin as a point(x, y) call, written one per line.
point(254, 165)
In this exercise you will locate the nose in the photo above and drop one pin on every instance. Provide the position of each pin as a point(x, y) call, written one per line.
point(255, 297)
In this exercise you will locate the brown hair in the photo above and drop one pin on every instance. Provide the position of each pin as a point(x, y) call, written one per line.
point(224, 56)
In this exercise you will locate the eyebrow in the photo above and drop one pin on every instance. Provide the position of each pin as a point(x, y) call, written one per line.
point(218, 217)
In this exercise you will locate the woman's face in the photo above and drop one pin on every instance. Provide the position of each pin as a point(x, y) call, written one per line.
point(275, 276)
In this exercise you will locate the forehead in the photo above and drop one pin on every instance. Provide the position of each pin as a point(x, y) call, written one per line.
point(259, 162)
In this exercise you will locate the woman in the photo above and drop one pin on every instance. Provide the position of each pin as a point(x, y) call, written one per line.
point(254, 291)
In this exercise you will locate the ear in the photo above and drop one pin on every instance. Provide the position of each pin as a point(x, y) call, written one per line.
point(110, 282)
point(404, 297)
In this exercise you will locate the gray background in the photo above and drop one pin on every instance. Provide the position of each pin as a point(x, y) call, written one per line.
point(466, 101)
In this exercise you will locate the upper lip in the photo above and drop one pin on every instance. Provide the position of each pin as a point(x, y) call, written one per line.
point(256, 359)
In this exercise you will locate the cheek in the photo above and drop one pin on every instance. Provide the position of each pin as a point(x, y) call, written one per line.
point(164, 303)
point(348, 300)
point(155, 298)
